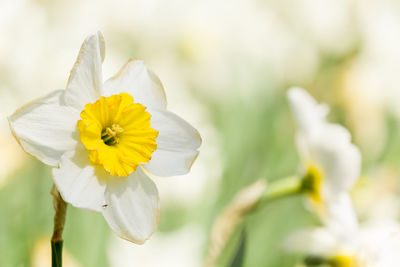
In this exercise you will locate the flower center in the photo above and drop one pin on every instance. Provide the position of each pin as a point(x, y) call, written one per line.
point(343, 261)
point(110, 134)
point(340, 260)
point(117, 133)
point(312, 182)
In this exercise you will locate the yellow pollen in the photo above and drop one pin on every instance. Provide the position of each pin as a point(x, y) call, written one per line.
point(110, 134)
point(117, 133)
point(343, 261)
point(312, 182)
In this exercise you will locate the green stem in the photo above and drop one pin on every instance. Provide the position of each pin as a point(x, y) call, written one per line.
point(281, 188)
point(60, 208)
point(313, 261)
point(56, 253)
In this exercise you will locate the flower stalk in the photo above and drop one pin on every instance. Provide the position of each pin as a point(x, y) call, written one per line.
point(311, 261)
point(281, 188)
point(246, 201)
point(60, 207)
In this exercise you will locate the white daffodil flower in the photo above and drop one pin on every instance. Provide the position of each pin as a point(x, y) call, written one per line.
point(369, 246)
point(330, 161)
point(105, 138)
point(329, 245)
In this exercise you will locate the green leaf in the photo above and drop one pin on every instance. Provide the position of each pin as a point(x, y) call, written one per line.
point(238, 258)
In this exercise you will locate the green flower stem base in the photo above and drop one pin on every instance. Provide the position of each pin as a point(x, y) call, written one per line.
point(281, 188)
point(60, 208)
point(56, 253)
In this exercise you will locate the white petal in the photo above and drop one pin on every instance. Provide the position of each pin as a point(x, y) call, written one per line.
point(340, 216)
point(80, 183)
point(307, 112)
point(177, 144)
point(379, 243)
point(317, 241)
point(85, 81)
point(133, 207)
point(324, 136)
point(45, 128)
point(102, 46)
point(140, 82)
point(338, 157)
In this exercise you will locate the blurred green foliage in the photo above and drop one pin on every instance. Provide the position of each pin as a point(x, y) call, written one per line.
point(27, 215)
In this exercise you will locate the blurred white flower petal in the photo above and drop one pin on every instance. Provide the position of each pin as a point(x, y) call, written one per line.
point(161, 250)
point(330, 160)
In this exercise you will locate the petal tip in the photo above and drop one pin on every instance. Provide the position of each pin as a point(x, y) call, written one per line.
point(10, 124)
point(137, 240)
point(190, 161)
point(296, 92)
point(198, 136)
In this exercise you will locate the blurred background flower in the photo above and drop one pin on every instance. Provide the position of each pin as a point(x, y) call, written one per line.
point(226, 66)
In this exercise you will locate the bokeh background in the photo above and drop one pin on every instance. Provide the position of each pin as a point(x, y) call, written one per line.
point(226, 67)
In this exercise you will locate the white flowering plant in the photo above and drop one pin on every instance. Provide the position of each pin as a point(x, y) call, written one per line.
point(105, 140)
